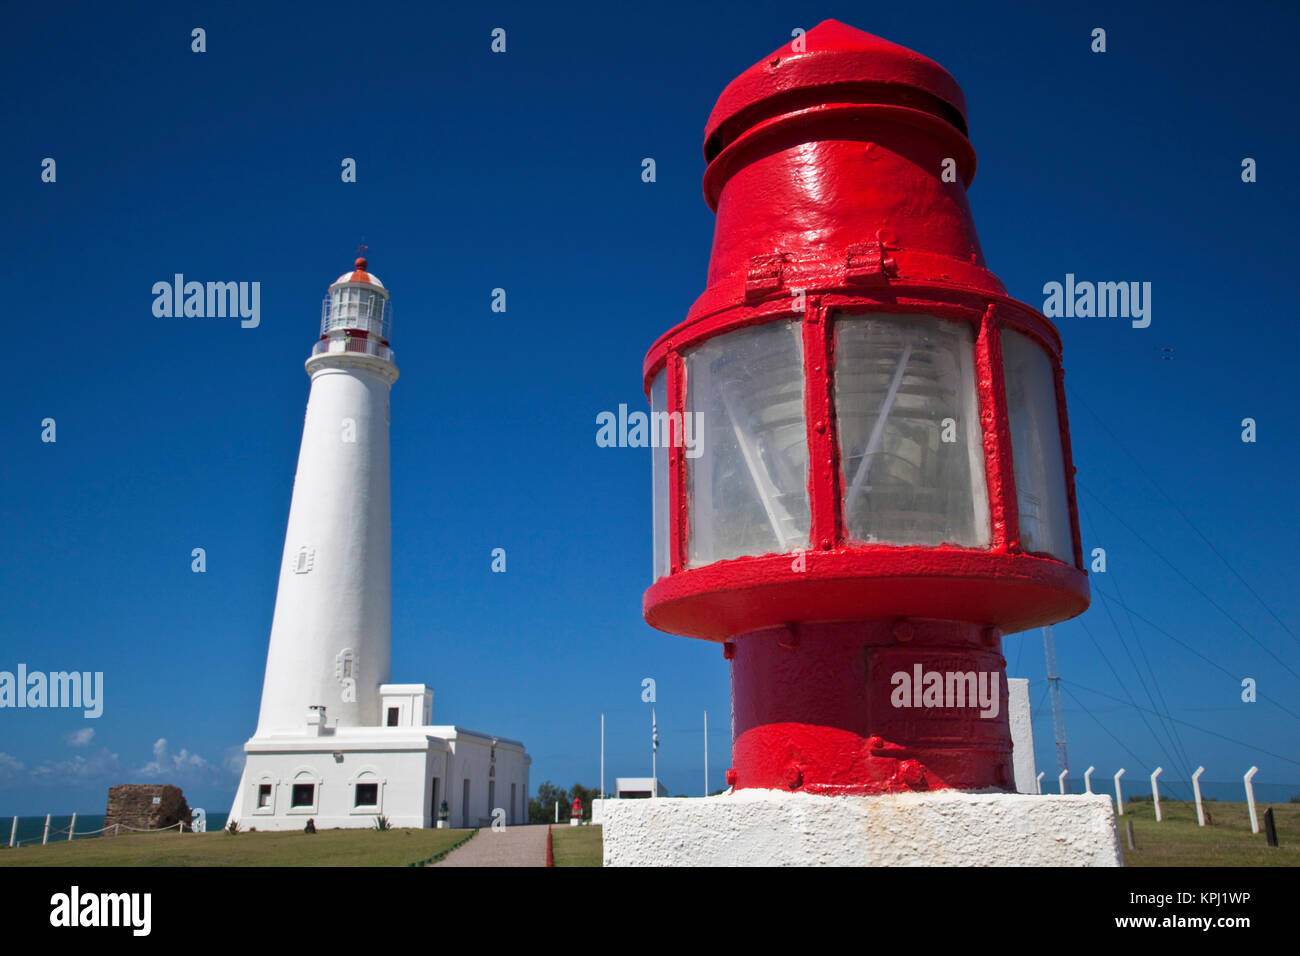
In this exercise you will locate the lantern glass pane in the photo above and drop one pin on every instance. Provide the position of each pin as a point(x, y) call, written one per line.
point(1036, 448)
point(907, 418)
point(659, 477)
point(747, 476)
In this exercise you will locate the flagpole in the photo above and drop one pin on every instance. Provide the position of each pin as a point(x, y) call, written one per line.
point(602, 756)
point(654, 753)
point(706, 753)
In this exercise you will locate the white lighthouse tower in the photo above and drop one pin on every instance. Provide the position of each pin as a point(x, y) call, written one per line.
point(332, 632)
point(336, 742)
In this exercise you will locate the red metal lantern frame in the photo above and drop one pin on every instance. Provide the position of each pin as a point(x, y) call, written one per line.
point(1008, 587)
point(824, 173)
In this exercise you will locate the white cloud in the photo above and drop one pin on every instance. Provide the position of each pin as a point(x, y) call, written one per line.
point(9, 766)
point(104, 767)
point(165, 762)
point(80, 738)
point(101, 764)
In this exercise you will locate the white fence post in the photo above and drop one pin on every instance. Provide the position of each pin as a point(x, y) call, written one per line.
point(1041, 775)
point(46, 837)
point(1196, 790)
point(1155, 791)
point(1250, 799)
point(13, 833)
point(72, 827)
point(1087, 779)
point(1061, 779)
point(1119, 796)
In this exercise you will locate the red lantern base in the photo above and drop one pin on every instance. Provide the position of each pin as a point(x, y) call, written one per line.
point(870, 707)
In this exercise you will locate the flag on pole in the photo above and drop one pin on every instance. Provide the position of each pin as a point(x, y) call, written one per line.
point(654, 730)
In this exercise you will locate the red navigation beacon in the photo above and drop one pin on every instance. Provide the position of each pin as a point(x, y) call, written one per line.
point(880, 481)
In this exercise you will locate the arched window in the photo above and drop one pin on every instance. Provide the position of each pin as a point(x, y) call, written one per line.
point(304, 791)
point(366, 789)
point(263, 794)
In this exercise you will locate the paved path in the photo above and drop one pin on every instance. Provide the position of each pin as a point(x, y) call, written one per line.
point(513, 846)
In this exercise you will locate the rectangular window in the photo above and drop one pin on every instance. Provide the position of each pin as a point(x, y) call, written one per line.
point(659, 478)
point(911, 442)
point(392, 716)
point(304, 794)
point(1038, 461)
point(748, 481)
point(367, 795)
point(263, 794)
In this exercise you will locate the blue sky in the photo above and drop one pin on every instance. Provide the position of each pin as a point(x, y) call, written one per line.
point(522, 171)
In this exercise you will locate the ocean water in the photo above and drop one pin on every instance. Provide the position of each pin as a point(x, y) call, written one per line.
point(30, 829)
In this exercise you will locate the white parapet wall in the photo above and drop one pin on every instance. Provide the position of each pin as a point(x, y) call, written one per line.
point(943, 828)
point(1022, 735)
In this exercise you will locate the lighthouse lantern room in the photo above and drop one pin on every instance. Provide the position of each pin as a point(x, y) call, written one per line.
point(357, 305)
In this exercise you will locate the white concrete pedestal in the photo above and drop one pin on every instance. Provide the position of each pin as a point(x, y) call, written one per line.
point(943, 828)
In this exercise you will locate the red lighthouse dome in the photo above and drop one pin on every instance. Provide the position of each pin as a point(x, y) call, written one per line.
point(834, 63)
point(359, 275)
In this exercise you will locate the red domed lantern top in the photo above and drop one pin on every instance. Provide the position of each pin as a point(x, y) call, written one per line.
point(359, 274)
point(833, 62)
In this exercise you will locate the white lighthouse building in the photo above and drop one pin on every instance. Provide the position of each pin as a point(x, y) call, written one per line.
point(336, 742)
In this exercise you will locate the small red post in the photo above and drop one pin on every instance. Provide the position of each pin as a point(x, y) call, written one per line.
point(550, 847)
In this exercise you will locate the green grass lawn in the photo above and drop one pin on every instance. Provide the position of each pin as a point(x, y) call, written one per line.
point(326, 848)
point(1175, 841)
point(1178, 841)
point(578, 846)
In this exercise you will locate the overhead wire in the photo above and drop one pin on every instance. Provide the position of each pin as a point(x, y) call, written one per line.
point(1193, 584)
point(1159, 744)
point(1239, 743)
point(1179, 752)
point(1076, 397)
point(1170, 730)
point(1215, 664)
